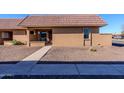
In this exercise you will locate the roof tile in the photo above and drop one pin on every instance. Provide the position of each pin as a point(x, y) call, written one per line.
point(10, 24)
point(63, 20)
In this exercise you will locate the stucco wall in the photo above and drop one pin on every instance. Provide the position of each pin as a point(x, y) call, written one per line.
point(20, 36)
point(95, 29)
point(67, 37)
point(101, 39)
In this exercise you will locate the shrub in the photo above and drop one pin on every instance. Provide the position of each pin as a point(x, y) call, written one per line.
point(15, 42)
point(93, 49)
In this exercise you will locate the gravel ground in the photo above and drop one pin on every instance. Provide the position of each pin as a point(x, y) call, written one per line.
point(15, 53)
point(84, 54)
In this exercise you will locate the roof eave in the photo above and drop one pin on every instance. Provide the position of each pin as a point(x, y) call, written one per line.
point(104, 25)
point(12, 29)
point(28, 26)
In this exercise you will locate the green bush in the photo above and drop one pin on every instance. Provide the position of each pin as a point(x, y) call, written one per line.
point(15, 42)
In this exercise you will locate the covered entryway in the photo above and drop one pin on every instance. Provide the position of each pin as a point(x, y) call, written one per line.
point(40, 37)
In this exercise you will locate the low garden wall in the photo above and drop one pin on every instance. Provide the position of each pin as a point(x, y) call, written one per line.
point(101, 39)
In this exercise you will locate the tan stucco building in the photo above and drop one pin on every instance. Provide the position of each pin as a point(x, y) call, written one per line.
point(59, 30)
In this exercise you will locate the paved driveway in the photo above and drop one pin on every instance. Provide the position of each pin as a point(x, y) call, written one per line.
point(62, 70)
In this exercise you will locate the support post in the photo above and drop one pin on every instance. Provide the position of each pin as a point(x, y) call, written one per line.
point(91, 39)
point(28, 38)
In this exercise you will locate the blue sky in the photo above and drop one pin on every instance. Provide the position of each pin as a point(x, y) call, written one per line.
point(115, 21)
point(13, 15)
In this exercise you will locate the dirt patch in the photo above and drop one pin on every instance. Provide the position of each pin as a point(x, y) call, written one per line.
point(84, 54)
point(15, 53)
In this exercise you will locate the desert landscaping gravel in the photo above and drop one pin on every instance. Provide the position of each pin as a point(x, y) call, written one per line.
point(15, 53)
point(84, 54)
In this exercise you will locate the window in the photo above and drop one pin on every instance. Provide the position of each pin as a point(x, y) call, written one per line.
point(5, 35)
point(86, 32)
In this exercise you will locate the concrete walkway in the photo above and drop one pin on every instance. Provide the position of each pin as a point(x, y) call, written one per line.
point(63, 70)
point(36, 56)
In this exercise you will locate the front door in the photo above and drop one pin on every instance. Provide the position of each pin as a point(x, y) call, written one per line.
point(87, 36)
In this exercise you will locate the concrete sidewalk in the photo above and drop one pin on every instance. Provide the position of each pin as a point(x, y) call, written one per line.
point(63, 70)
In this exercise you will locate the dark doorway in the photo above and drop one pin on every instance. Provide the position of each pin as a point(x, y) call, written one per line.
point(45, 35)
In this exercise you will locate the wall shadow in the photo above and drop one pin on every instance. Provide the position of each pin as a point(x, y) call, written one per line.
point(80, 62)
point(64, 62)
point(64, 77)
point(118, 44)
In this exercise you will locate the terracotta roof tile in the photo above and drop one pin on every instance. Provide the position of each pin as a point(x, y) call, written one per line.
point(63, 20)
point(10, 24)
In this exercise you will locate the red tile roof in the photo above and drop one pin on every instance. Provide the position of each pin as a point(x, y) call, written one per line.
point(63, 20)
point(10, 24)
